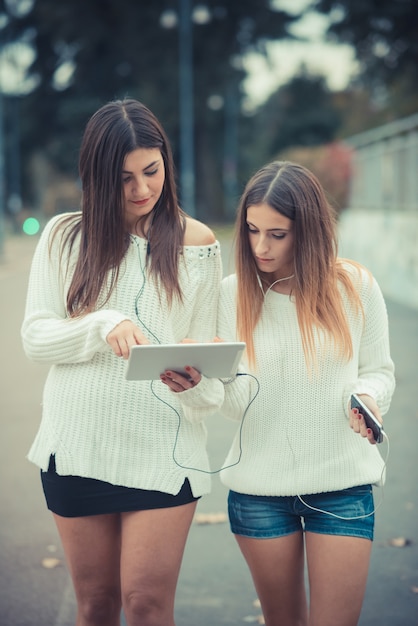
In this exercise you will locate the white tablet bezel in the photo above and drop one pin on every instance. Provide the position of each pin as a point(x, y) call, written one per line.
point(214, 360)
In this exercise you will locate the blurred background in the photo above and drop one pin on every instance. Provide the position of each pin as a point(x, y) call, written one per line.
point(331, 84)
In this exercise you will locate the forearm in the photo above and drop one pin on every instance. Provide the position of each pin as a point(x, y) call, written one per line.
point(47, 338)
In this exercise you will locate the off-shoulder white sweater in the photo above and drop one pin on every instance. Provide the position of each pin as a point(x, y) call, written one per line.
point(97, 423)
point(295, 437)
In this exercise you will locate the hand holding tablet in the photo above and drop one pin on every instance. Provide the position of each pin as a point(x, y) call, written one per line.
point(179, 382)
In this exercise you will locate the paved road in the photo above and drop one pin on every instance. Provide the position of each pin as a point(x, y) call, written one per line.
point(215, 587)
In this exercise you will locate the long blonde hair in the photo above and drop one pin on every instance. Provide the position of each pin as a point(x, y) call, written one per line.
point(295, 192)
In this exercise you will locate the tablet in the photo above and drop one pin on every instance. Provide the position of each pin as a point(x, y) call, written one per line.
point(214, 360)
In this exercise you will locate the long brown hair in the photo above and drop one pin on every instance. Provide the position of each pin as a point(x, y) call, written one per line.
point(295, 192)
point(115, 130)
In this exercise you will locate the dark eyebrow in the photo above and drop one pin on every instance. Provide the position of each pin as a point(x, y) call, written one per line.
point(284, 230)
point(153, 164)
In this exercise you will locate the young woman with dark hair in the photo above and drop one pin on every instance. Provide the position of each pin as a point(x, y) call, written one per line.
point(130, 268)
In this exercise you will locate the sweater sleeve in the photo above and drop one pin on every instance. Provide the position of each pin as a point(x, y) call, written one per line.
point(230, 397)
point(203, 320)
point(48, 334)
point(375, 369)
point(203, 400)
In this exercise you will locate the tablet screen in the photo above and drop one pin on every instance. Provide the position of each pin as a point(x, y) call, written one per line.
point(214, 360)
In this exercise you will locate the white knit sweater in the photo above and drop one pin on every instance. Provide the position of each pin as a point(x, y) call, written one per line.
point(97, 423)
point(295, 437)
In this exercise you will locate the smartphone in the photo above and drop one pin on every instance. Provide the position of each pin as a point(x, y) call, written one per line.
point(371, 421)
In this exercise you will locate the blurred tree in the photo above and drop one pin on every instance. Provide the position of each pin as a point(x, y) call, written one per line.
point(382, 32)
point(300, 122)
point(300, 113)
point(361, 109)
point(331, 163)
point(89, 52)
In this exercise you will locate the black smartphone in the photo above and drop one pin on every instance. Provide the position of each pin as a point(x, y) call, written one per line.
point(371, 421)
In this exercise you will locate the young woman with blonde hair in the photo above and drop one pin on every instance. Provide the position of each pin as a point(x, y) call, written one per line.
point(301, 468)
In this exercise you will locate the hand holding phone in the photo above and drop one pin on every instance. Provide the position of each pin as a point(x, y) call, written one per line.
point(371, 421)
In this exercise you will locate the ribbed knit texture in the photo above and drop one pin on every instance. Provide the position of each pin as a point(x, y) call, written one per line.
point(296, 437)
point(97, 423)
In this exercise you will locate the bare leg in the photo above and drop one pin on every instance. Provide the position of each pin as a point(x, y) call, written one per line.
point(277, 569)
point(338, 568)
point(152, 550)
point(92, 548)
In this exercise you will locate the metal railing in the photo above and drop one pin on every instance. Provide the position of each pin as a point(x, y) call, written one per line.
point(385, 172)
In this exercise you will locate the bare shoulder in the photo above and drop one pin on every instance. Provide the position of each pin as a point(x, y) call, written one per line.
point(197, 233)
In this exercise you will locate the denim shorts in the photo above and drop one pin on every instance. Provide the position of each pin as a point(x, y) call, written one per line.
point(347, 512)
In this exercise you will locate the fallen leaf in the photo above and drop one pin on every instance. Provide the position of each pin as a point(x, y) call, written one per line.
point(50, 563)
point(254, 619)
point(210, 518)
point(414, 589)
point(399, 542)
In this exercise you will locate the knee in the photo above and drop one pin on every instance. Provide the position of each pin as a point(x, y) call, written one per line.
point(147, 609)
point(100, 607)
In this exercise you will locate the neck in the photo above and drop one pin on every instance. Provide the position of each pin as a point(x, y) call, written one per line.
point(279, 280)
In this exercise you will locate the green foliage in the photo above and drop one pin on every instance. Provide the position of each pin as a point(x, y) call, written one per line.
point(383, 33)
point(300, 113)
point(119, 48)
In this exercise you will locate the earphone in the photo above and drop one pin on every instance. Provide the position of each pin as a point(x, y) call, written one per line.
point(279, 280)
point(149, 331)
point(142, 287)
point(197, 469)
point(313, 508)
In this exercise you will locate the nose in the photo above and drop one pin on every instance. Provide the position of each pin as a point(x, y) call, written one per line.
point(261, 246)
point(140, 186)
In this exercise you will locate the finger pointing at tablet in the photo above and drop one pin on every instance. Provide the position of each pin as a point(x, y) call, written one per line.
point(123, 336)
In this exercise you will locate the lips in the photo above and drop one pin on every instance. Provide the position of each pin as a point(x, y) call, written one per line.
point(140, 202)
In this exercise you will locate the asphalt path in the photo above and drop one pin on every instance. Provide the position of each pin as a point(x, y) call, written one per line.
point(215, 587)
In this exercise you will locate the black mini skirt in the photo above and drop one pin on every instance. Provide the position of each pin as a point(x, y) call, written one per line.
point(76, 496)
